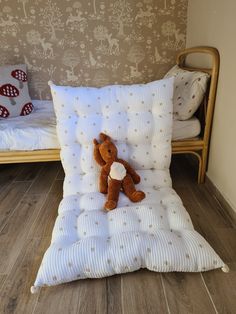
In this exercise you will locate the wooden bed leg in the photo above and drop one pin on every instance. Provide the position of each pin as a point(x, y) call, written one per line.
point(202, 176)
point(200, 166)
point(199, 173)
point(204, 165)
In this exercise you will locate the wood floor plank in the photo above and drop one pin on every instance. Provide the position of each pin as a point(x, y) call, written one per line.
point(222, 288)
point(8, 174)
point(45, 178)
point(29, 171)
point(13, 235)
point(10, 198)
point(61, 174)
point(114, 301)
point(15, 294)
point(212, 208)
point(186, 293)
point(82, 296)
point(202, 223)
point(45, 220)
point(142, 292)
point(228, 237)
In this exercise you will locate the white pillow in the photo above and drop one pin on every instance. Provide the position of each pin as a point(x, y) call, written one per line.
point(189, 90)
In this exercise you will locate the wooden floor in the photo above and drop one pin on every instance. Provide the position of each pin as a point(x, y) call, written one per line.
point(29, 197)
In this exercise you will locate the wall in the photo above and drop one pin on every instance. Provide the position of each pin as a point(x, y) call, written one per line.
point(91, 42)
point(213, 23)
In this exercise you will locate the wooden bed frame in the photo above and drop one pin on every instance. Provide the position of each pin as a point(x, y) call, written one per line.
point(198, 146)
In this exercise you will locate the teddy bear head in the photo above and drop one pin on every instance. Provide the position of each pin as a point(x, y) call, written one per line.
point(107, 149)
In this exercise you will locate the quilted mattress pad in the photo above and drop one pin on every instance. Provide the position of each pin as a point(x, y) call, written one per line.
point(157, 233)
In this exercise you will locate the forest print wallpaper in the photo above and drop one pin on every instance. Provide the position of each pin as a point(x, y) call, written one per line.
point(91, 42)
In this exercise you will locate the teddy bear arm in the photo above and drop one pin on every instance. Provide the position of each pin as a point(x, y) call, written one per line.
point(131, 171)
point(97, 156)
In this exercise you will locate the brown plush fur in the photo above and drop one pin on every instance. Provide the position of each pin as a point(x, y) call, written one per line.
point(105, 153)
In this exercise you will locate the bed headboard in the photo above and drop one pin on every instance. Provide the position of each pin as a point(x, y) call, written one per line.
point(206, 110)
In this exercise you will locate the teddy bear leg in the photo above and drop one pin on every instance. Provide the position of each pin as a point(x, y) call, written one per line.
point(114, 187)
point(103, 182)
point(130, 191)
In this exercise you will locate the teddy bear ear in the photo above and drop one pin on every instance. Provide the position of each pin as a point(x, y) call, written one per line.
point(103, 137)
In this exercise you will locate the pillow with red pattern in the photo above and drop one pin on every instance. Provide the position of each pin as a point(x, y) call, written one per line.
point(14, 93)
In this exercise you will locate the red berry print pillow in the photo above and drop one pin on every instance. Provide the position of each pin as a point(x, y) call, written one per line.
point(14, 93)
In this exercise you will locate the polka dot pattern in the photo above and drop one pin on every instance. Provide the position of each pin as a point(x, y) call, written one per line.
point(189, 90)
point(137, 117)
point(157, 233)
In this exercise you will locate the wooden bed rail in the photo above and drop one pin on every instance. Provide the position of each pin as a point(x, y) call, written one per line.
point(213, 52)
point(18, 156)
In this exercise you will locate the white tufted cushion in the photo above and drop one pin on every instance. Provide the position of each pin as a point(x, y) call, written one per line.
point(138, 118)
point(156, 233)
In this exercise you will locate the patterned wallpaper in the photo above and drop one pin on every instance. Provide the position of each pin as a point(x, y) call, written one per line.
point(91, 42)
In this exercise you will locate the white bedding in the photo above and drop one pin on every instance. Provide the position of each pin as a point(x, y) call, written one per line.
point(185, 129)
point(156, 233)
point(32, 132)
point(38, 130)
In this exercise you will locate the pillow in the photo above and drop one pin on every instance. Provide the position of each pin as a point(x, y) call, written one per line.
point(14, 94)
point(189, 90)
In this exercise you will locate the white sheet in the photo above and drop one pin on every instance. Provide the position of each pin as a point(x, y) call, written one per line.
point(38, 130)
point(32, 132)
point(186, 129)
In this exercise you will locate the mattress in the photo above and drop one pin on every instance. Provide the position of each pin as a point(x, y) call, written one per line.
point(34, 131)
point(186, 129)
point(157, 233)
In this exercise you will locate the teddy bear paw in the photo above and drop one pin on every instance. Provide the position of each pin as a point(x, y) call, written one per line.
point(103, 191)
point(110, 204)
point(136, 179)
point(137, 196)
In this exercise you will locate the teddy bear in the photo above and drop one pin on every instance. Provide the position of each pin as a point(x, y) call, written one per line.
point(116, 174)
